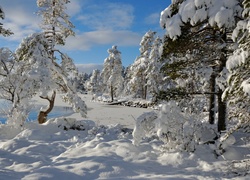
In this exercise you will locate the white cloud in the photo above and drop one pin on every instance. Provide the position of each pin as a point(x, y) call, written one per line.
point(88, 68)
point(153, 18)
point(20, 17)
point(108, 16)
point(87, 40)
point(74, 7)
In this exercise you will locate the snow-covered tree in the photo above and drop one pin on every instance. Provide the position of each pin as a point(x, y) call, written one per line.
point(56, 28)
point(198, 34)
point(7, 62)
point(138, 81)
point(45, 75)
point(238, 90)
point(153, 72)
point(3, 31)
point(37, 55)
point(94, 85)
point(15, 87)
point(111, 74)
point(80, 81)
point(56, 23)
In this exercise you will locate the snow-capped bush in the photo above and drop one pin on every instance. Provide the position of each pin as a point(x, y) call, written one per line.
point(72, 124)
point(145, 126)
point(177, 130)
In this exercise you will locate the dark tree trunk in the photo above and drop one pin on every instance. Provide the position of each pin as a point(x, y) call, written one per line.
point(42, 117)
point(212, 99)
point(222, 107)
point(112, 93)
point(221, 112)
point(145, 92)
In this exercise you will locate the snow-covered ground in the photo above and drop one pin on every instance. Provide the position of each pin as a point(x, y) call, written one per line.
point(103, 149)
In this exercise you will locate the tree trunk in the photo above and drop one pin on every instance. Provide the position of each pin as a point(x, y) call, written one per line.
point(222, 107)
point(145, 92)
point(221, 112)
point(42, 117)
point(112, 93)
point(212, 99)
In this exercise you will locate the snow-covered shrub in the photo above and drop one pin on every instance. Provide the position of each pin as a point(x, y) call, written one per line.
point(177, 130)
point(145, 126)
point(72, 124)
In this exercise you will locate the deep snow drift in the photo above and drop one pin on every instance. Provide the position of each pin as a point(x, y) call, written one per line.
point(100, 148)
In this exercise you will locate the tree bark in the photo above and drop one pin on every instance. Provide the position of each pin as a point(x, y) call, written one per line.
point(221, 112)
point(222, 107)
point(42, 117)
point(112, 93)
point(145, 92)
point(212, 99)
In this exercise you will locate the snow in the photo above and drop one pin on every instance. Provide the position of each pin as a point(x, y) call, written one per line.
point(103, 149)
point(218, 13)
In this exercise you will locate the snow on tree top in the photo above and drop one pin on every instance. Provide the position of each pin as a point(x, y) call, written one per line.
point(217, 12)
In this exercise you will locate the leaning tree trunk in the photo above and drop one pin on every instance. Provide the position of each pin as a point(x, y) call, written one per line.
point(42, 117)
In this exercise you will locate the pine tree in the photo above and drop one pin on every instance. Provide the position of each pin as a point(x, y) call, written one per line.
point(197, 45)
point(45, 75)
point(3, 31)
point(37, 53)
point(111, 74)
point(237, 92)
point(153, 72)
point(94, 84)
point(138, 81)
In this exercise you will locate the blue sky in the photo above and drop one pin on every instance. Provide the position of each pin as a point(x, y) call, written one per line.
point(99, 25)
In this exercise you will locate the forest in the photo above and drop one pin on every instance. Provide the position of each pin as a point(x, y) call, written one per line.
point(196, 80)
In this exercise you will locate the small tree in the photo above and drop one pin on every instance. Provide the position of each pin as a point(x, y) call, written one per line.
point(94, 84)
point(40, 50)
point(46, 75)
point(155, 82)
point(111, 74)
point(138, 81)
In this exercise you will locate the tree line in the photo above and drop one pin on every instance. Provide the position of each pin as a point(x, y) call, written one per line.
point(202, 62)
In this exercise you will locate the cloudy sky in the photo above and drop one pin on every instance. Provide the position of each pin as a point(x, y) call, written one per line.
point(99, 25)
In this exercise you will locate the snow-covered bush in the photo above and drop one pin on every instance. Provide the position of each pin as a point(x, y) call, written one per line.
point(177, 130)
point(145, 126)
point(72, 124)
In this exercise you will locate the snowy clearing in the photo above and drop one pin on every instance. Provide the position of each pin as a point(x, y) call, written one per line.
point(103, 149)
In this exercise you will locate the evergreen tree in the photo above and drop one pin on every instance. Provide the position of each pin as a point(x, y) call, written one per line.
point(238, 91)
point(94, 84)
point(37, 54)
point(153, 72)
point(111, 74)
point(197, 45)
point(3, 31)
point(57, 28)
point(45, 75)
point(138, 82)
